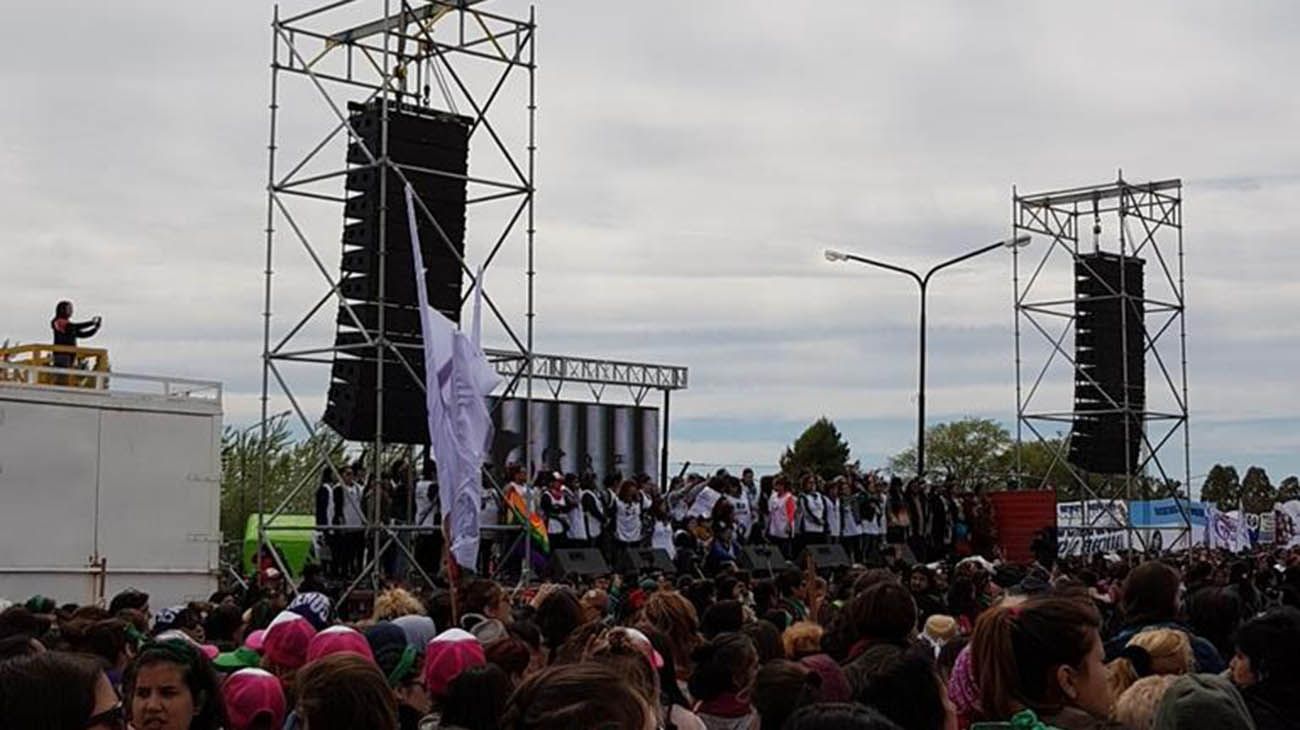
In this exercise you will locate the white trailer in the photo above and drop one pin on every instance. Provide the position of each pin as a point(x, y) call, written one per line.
point(111, 483)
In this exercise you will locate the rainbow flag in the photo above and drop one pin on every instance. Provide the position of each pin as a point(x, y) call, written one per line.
point(534, 525)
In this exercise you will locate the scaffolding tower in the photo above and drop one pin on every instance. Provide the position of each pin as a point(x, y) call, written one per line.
point(450, 55)
point(1137, 221)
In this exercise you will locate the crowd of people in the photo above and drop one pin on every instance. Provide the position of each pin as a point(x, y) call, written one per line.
point(1195, 640)
point(699, 522)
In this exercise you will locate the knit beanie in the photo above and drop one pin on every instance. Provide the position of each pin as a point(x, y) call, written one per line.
point(1203, 701)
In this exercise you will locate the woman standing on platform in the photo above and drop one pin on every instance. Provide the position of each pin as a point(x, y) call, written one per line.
point(629, 513)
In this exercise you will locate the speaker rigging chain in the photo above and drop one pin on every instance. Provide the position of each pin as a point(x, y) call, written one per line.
point(1096, 225)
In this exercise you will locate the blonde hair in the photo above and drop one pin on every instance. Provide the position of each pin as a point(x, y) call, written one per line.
point(396, 603)
point(1136, 707)
point(1170, 651)
point(802, 639)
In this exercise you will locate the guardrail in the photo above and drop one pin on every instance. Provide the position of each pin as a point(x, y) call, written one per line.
point(23, 375)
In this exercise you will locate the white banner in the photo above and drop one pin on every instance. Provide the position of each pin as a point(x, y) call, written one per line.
point(1089, 542)
point(1225, 530)
point(1286, 523)
point(1092, 513)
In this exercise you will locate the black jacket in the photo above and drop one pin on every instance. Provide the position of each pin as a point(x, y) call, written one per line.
point(66, 331)
point(1273, 706)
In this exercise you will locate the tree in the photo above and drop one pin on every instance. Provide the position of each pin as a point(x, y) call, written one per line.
point(820, 449)
point(1257, 493)
point(1222, 487)
point(289, 464)
point(1289, 489)
point(1043, 464)
point(968, 451)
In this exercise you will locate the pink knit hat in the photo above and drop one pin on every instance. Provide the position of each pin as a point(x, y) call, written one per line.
point(447, 655)
point(338, 640)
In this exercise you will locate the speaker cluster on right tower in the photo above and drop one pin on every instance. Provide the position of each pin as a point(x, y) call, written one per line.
point(1110, 363)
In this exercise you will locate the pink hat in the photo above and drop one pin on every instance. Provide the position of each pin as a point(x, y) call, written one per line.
point(255, 640)
point(251, 694)
point(835, 686)
point(644, 645)
point(447, 655)
point(338, 640)
point(286, 640)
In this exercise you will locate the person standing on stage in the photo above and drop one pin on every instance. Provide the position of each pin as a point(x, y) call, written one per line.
point(811, 513)
point(742, 509)
point(899, 520)
point(872, 511)
point(586, 515)
point(780, 515)
point(349, 514)
point(629, 516)
point(834, 499)
point(556, 503)
point(851, 522)
point(428, 515)
point(66, 333)
point(325, 511)
point(752, 493)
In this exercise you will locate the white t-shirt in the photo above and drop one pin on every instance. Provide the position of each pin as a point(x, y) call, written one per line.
point(627, 518)
point(851, 526)
point(554, 525)
point(812, 512)
point(743, 515)
point(661, 536)
point(582, 524)
point(353, 512)
point(489, 512)
point(779, 524)
point(426, 512)
point(834, 523)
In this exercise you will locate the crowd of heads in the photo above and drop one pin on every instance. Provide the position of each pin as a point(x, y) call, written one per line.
point(1115, 641)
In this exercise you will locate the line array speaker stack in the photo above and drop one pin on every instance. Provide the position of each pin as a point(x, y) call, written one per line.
point(1110, 363)
point(432, 148)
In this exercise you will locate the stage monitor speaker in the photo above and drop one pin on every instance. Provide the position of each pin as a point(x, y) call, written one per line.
point(431, 148)
point(641, 561)
point(763, 559)
point(1110, 363)
point(580, 562)
point(825, 557)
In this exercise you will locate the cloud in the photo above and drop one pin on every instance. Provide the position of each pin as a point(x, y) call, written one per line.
point(690, 171)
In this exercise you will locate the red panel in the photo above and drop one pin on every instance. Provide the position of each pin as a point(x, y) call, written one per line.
point(1020, 517)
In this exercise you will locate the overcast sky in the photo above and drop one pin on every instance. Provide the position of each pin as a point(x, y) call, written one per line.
point(693, 161)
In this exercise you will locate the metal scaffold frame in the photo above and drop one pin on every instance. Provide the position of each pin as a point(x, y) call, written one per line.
point(1156, 208)
point(409, 51)
point(408, 47)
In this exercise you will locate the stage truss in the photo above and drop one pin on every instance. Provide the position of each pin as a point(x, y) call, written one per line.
point(456, 56)
point(1139, 220)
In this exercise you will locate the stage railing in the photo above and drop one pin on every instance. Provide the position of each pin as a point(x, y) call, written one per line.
point(25, 366)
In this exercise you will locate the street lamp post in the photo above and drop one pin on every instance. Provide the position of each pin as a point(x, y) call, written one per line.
point(923, 283)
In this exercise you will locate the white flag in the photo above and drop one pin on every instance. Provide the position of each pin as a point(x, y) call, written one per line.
point(458, 379)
